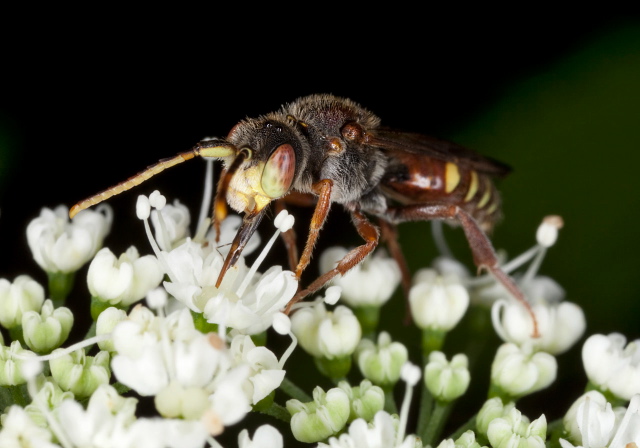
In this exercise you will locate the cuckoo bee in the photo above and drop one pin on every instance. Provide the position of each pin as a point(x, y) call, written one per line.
point(323, 150)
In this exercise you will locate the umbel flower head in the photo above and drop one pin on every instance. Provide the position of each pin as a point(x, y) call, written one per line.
point(62, 245)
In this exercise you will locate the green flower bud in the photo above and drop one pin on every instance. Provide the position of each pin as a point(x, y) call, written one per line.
point(515, 431)
point(79, 373)
point(24, 294)
point(381, 363)
point(321, 418)
point(447, 380)
point(491, 410)
point(365, 399)
point(466, 440)
point(50, 395)
point(48, 329)
point(10, 366)
point(176, 401)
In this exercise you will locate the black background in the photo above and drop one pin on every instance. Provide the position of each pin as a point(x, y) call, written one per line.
point(86, 106)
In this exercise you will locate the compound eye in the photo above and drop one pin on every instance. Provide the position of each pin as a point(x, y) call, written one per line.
point(279, 170)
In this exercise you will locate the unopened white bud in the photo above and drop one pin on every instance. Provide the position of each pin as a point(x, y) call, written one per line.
point(157, 200)
point(547, 232)
point(143, 208)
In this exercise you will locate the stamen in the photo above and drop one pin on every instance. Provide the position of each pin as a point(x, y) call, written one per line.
point(282, 324)
point(410, 374)
point(439, 240)
point(65, 351)
point(283, 222)
point(496, 311)
point(207, 194)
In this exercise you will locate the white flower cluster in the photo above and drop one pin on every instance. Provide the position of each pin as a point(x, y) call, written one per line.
point(195, 351)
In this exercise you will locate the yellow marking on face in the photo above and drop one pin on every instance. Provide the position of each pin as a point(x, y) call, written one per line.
point(451, 176)
point(492, 208)
point(485, 198)
point(473, 187)
point(245, 190)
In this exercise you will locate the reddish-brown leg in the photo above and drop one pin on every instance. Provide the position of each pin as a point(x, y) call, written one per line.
point(369, 234)
point(484, 256)
point(389, 235)
point(323, 204)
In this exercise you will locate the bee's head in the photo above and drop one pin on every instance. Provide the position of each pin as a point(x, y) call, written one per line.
point(267, 160)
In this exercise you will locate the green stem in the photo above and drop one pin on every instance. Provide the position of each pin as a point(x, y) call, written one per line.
point(277, 411)
point(389, 400)
point(369, 317)
point(60, 285)
point(426, 408)
point(436, 423)
point(432, 340)
point(294, 391)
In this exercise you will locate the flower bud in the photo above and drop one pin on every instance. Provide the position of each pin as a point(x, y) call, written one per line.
point(10, 366)
point(50, 395)
point(381, 363)
point(24, 294)
point(445, 380)
point(326, 334)
point(466, 440)
point(517, 372)
point(612, 364)
point(321, 418)
point(366, 399)
point(370, 283)
point(107, 321)
point(492, 409)
point(48, 329)
point(591, 416)
point(79, 373)
point(437, 302)
point(514, 430)
point(178, 401)
point(125, 280)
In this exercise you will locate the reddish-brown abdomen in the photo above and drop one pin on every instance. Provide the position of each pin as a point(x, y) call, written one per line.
point(413, 178)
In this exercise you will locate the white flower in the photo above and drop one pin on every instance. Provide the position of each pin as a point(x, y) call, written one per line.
point(24, 294)
point(326, 334)
point(253, 311)
point(124, 280)
point(18, 430)
point(437, 302)
point(194, 271)
point(613, 365)
point(381, 433)
point(228, 229)
point(599, 426)
point(265, 375)
point(518, 372)
point(11, 366)
point(266, 436)
point(190, 373)
point(175, 224)
point(370, 283)
point(61, 245)
point(560, 324)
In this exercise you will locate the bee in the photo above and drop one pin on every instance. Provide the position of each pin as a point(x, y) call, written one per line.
point(325, 149)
